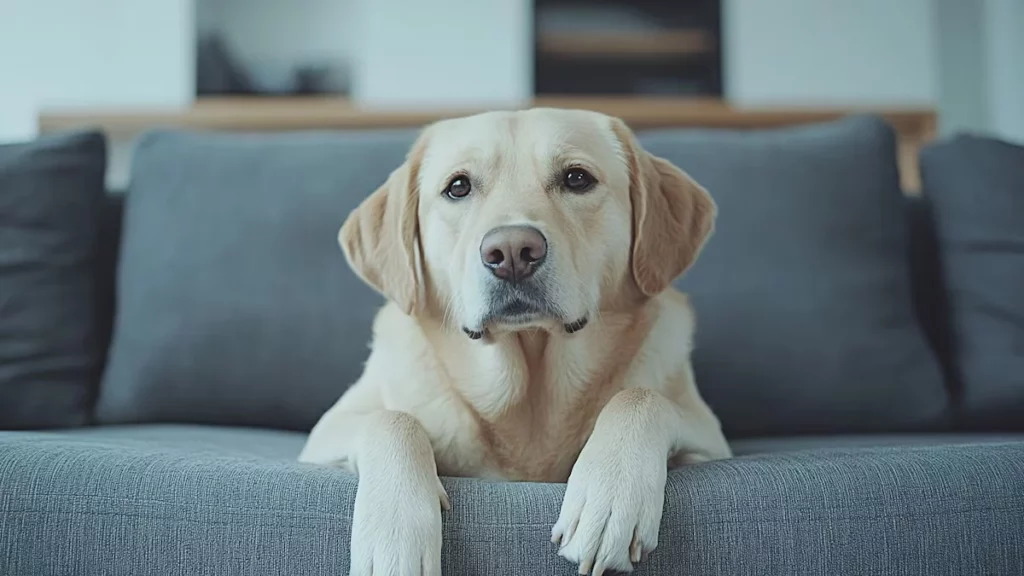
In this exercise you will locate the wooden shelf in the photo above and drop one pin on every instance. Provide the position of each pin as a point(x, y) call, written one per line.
point(623, 45)
point(914, 126)
point(309, 113)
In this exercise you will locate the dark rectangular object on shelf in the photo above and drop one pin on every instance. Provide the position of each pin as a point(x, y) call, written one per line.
point(624, 47)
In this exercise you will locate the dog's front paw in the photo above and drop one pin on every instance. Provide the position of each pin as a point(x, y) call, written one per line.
point(396, 527)
point(611, 511)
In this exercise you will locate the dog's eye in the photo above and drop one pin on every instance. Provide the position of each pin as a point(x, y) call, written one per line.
point(578, 180)
point(458, 188)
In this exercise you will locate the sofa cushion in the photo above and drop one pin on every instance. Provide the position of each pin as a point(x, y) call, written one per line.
point(51, 191)
point(805, 319)
point(976, 189)
point(195, 500)
point(235, 303)
point(806, 442)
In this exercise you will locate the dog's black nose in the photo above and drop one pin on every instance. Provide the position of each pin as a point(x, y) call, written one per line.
point(513, 253)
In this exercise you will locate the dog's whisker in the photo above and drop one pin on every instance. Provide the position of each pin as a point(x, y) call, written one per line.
point(445, 317)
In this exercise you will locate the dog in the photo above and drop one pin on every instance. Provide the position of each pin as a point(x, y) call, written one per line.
point(531, 333)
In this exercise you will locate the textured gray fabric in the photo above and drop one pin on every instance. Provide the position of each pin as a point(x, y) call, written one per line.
point(805, 320)
point(236, 305)
point(51, 191)
point(976, 189)
point(192, 500)
point(273, 444)
point(285, 445)
point(768, 445)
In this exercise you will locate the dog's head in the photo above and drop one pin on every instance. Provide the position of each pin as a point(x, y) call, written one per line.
point(536, 218)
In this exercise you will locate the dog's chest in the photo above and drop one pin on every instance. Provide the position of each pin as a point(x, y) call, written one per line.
point(537, 438)
point(522, 408)
point(535, 447)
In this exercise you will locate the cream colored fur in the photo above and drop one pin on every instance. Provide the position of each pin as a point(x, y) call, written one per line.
point(607, 409)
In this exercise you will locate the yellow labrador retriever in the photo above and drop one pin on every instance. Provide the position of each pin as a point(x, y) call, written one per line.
point(531, 334)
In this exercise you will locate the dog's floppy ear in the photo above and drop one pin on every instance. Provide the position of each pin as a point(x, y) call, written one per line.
point(673, 216)
point(380, 237)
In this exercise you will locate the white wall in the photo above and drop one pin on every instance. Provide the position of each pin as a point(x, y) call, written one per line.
point(966, 57)
point(442, 53)
point(829, 52)
point(961, 58)
point(1004, 53)
point(980, 57)
point(91, 53)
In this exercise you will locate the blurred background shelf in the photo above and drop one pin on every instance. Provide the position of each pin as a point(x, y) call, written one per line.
point(135, 58)
point(336, 64)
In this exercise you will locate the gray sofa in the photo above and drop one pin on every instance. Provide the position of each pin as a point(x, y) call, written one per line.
point(164, 351)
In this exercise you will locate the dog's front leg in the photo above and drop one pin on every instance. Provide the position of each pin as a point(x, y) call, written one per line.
point(396, 522)
point(613, 501)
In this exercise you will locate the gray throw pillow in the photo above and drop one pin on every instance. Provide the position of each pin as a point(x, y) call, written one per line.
point(51, 193)
point(976, 189)
point(805, 319)
point(236, 305)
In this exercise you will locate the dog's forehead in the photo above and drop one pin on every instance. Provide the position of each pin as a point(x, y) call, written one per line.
point(539, 132)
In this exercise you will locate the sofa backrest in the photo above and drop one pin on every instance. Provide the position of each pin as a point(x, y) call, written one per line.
point(926, 276)
point(841, 154)
point(235, 305)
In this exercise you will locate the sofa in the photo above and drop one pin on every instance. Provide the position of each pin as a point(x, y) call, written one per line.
point(164, 349)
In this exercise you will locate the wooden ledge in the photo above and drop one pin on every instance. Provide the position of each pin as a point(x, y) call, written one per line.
point(915, 126)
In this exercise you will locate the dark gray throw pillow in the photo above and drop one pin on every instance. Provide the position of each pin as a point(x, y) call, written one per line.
point(805, 319)
point(51, 191)
point(236, 305)
point(976, 189)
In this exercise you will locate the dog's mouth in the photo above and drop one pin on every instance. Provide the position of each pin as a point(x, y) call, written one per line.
point(518, 311)
point(569, 327)
point(521, 310)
